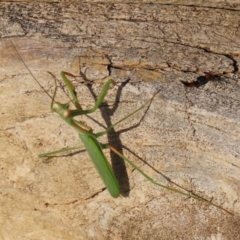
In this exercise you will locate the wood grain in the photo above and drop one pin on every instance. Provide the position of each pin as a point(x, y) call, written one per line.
point(189, 135)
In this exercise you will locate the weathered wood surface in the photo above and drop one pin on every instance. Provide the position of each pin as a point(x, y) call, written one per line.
point(191, 135)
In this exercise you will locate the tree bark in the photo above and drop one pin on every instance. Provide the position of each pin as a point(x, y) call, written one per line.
point(188, 135)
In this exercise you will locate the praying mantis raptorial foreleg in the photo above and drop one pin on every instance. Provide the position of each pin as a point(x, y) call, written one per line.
point(93, 146)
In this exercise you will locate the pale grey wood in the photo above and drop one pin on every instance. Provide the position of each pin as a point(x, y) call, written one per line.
point(191, 135)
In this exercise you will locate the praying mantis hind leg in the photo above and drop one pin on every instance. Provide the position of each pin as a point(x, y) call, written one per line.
point(190, 195)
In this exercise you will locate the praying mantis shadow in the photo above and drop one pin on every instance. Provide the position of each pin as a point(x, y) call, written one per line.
point(113, 137)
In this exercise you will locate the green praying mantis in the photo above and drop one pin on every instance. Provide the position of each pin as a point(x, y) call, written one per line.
point(90, 139)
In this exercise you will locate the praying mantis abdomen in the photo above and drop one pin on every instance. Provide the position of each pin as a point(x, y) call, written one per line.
point(101, 164)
